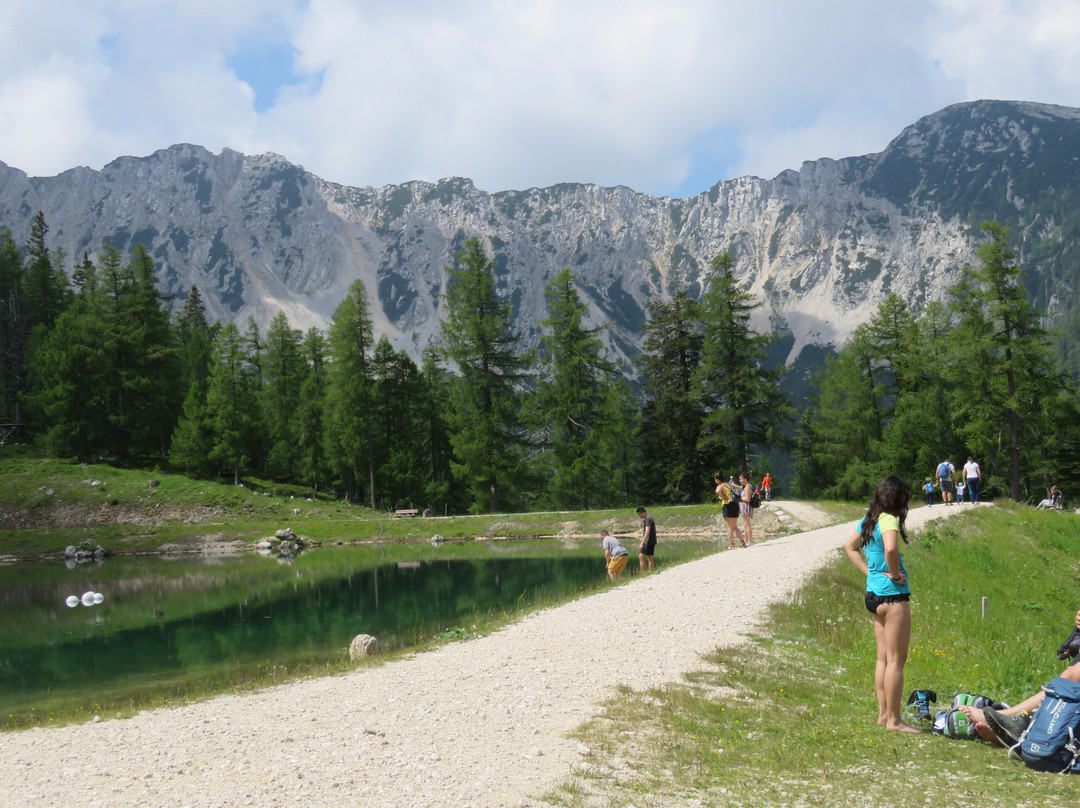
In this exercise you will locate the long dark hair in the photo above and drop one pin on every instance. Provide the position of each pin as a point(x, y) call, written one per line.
point(891, 496)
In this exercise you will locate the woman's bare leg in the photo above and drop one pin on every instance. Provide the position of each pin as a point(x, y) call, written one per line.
point(892, 629)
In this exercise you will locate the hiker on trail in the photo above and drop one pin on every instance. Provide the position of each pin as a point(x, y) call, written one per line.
point(946, 475)
point(928, 487)
point(729, 495)
point(648, 541)
point(766, 486)
point(973, 477)
point(615, 555)
point(887, 593)
point(746, 509)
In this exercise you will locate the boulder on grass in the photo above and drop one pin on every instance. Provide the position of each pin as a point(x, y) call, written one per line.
point(363, 645)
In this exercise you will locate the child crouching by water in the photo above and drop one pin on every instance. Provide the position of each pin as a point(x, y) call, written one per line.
point(615, 555)
point(887, 593)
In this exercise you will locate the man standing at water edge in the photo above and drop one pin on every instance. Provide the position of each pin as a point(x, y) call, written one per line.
point(648, 541)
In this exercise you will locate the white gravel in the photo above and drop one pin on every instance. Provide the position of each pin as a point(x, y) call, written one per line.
point(477, 723)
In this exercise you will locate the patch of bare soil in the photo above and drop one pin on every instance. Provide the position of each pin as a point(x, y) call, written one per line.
point(82, 514)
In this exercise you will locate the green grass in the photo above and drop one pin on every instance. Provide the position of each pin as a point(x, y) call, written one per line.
point(789, 719)
point(47, 504)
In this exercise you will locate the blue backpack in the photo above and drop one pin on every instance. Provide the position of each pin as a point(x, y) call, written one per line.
point(1051, 743)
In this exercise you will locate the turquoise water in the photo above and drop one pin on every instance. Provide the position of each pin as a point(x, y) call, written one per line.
point(165, 626)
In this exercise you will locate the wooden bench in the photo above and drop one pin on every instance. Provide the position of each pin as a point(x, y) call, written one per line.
point(407, 512)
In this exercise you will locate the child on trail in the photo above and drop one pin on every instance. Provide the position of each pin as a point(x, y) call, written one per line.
point(887, 593)
point(928, 487)
point(615, 555)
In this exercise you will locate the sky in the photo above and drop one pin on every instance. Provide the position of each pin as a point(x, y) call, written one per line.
point(667, 97)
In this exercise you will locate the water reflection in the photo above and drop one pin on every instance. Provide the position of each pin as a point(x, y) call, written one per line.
point(165, 622)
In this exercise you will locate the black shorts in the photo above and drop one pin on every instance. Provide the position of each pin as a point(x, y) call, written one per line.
point(873, 601)
point(647, 548)
point(730, 510)
point(946, 485)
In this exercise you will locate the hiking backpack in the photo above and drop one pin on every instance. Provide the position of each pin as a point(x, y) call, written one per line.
point(952, 723)
point(1051, 742)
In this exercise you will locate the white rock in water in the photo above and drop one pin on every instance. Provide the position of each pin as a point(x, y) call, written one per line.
point(99, 598)
point(88, 599)
point(72, 601)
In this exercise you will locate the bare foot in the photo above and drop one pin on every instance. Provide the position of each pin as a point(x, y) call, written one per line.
point(978, 718)
point(903, 726)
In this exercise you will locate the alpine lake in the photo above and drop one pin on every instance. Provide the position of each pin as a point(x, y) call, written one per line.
point(159, 630)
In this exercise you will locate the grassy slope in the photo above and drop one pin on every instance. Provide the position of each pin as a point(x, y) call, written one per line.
point(789, 720)
point(48, 504)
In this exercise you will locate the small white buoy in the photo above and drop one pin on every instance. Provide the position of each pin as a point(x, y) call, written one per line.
point(98, 597)
point(88, 599)
point(72, 601)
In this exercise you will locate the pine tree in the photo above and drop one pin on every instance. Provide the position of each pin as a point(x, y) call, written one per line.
point(1001, 364)
point(670, 357)
point(434, 434)
point(396, 408)
point(478, 340)
point(283, 374)
point(744, 407)
point(14, 332)
point(350, 450)
point(231, 400)
point(568, 403)
point(46, 284)
point(311, 461)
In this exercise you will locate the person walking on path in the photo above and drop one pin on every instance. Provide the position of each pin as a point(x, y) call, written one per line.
point(973, 479)
point(615, 555)
point(766, 486)
point(928, 487)
point(746, 509)
point(728, 494)
point(648, 541)
point(874, 549)
point(946, 475)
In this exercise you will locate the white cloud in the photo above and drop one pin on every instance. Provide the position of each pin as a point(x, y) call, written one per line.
point(516, 93)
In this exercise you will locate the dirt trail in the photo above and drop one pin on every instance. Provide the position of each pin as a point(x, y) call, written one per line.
point(477, 723)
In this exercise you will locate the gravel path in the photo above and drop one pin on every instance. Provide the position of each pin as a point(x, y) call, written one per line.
point(478, 723)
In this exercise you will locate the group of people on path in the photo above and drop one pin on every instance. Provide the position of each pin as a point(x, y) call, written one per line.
point(736, 499)
point(954, 484)
point(616, 555)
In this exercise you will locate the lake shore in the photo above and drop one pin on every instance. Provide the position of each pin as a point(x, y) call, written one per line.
point(482, 722)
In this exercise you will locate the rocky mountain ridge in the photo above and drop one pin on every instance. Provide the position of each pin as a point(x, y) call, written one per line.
point(820, 246)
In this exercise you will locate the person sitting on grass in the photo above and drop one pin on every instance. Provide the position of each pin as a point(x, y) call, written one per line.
point(1004, 727)
point(615, 555)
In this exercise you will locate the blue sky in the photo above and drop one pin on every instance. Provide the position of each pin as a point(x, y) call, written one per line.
point(667, 96)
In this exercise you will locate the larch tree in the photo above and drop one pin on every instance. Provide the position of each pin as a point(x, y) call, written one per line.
point(478, 340)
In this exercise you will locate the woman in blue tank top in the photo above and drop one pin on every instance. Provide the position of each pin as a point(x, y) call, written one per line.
point(874, 548)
